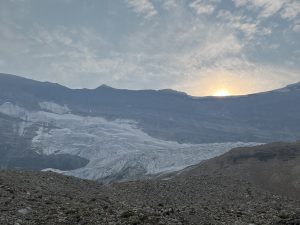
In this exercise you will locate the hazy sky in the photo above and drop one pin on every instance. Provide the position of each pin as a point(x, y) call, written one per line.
point(196, 46)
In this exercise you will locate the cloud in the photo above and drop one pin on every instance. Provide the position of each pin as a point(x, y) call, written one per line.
point(267, 7)
point(240, 3)
point(169, 4)
point(247, 78)
point(288, 9)
point(178, 49)
point(296, 27)
point(255, 17)
point(202, 7)
point(143, 7)
point(291, 10)
point(16, 1)
point(240, 23)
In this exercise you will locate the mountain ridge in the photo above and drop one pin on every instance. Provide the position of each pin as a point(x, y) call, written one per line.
point(105, 86)
point(148, 108)
point(133, 134)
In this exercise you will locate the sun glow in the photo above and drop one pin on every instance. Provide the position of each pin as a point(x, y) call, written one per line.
point(222, 93)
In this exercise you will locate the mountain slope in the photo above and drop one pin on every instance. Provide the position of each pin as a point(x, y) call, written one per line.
point(111, 134)
point(253, 185)
point(273, 167)
point(219, 191)
point(112, 150)
point(36, 198)
point(264, 117)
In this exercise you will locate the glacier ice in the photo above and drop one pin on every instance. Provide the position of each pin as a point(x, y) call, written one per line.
point(111, 146)
point(55, 108)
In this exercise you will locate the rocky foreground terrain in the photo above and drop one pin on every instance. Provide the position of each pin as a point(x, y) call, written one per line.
point(258, 185)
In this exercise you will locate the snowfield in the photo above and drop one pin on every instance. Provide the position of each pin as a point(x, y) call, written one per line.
point(115, 149)
point(53, 107)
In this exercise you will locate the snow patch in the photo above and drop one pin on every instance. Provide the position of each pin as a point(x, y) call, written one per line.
point(55, 108)
point(53, 170)
point(289, 88)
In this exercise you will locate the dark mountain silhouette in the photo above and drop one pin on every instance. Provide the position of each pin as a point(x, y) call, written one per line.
point(169, 115)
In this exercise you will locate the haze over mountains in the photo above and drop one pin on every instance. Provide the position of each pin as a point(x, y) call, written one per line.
point(111, 134)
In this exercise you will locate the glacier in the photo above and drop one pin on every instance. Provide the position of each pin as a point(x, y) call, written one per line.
point(116, 150)
point(53, 107)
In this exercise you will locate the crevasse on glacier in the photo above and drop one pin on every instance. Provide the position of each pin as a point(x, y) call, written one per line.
point(113, 147)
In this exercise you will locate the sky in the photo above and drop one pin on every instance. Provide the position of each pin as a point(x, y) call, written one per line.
point(197, 46)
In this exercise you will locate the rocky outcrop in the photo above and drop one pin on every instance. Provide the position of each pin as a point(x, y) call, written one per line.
point(272, 167)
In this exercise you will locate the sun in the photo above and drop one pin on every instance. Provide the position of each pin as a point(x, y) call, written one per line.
point(222, 93)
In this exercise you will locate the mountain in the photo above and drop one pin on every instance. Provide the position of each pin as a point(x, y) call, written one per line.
point(223, 190)
point(290, 88)
point(169, 115)
point(111, 134)
point(252, 185)
point(273, 167)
